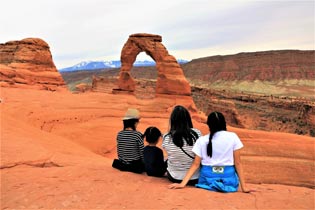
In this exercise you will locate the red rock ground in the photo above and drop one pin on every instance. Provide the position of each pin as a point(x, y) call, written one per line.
point(57, 149)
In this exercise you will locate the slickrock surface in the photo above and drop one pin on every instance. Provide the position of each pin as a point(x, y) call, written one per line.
point(28, 63)
point(171, 79)
point(57, 149)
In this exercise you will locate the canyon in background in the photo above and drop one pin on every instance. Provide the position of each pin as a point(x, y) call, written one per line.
point(57, 145)
point(271, 90)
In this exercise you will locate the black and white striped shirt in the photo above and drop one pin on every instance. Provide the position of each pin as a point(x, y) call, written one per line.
point(178, 162)
point(129, 145)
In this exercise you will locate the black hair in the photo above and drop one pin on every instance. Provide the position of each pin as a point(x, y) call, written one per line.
point(181, 127)
point(216, 122)
point(152, 135)
point(131, 123)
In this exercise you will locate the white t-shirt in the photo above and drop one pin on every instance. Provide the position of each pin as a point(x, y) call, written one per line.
point(223, 145)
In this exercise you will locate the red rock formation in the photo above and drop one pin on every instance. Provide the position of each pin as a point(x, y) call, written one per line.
point(28, 62)
point(259, 112)
point(103, 84)
point(265, 66)
point(82, 87)
point(171, 79)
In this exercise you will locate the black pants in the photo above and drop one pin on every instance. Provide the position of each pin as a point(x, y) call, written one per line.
point(135, 166)
point(191, 182)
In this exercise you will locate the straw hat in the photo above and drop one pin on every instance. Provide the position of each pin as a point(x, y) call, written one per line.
point(132, 114)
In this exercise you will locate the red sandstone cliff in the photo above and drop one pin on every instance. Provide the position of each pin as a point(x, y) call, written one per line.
point(265, 66)
point(28, 62)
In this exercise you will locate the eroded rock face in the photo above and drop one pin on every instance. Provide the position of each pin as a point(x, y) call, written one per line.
point(28, 62)
point(171, 79)
point(264, 66)
point(103, 84)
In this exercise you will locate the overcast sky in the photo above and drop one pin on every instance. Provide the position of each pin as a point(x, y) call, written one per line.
point(83, 30)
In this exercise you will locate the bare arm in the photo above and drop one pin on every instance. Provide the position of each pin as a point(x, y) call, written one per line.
point(239, 170)
point(193, 168)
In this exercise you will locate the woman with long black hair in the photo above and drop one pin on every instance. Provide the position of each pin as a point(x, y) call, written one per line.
point(219, 154)
point(178, 144)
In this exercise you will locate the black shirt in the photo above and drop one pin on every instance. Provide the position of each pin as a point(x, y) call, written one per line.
point(154, 161)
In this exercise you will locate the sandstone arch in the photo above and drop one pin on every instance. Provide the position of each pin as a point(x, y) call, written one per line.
point(171, 79)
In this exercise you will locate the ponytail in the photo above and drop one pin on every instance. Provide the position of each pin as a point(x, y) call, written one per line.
point(216, 122)
point(209, 147)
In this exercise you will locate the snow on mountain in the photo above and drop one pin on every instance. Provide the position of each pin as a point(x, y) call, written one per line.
point(92, 65)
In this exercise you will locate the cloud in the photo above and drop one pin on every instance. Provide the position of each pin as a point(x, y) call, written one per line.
point(78, 30)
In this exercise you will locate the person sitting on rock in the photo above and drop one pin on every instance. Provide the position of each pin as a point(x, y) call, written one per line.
point(178, 143)
point(153, 156)
point(130, 144)
point(219, 155)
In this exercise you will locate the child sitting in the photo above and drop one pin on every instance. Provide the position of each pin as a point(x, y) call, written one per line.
point(130, 144)
point(152, 155)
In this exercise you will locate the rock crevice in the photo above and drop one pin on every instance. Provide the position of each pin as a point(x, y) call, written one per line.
point(39, 164)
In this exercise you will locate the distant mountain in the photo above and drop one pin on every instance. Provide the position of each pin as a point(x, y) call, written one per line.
point(92, 65)
point(274, 65)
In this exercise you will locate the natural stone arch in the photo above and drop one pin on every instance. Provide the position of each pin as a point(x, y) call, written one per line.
point(171, 79)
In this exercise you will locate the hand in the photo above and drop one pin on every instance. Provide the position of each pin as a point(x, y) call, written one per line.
point(246, 190)
point(175, 186)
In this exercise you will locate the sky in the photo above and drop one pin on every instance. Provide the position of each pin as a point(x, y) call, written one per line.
point(94, 30)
